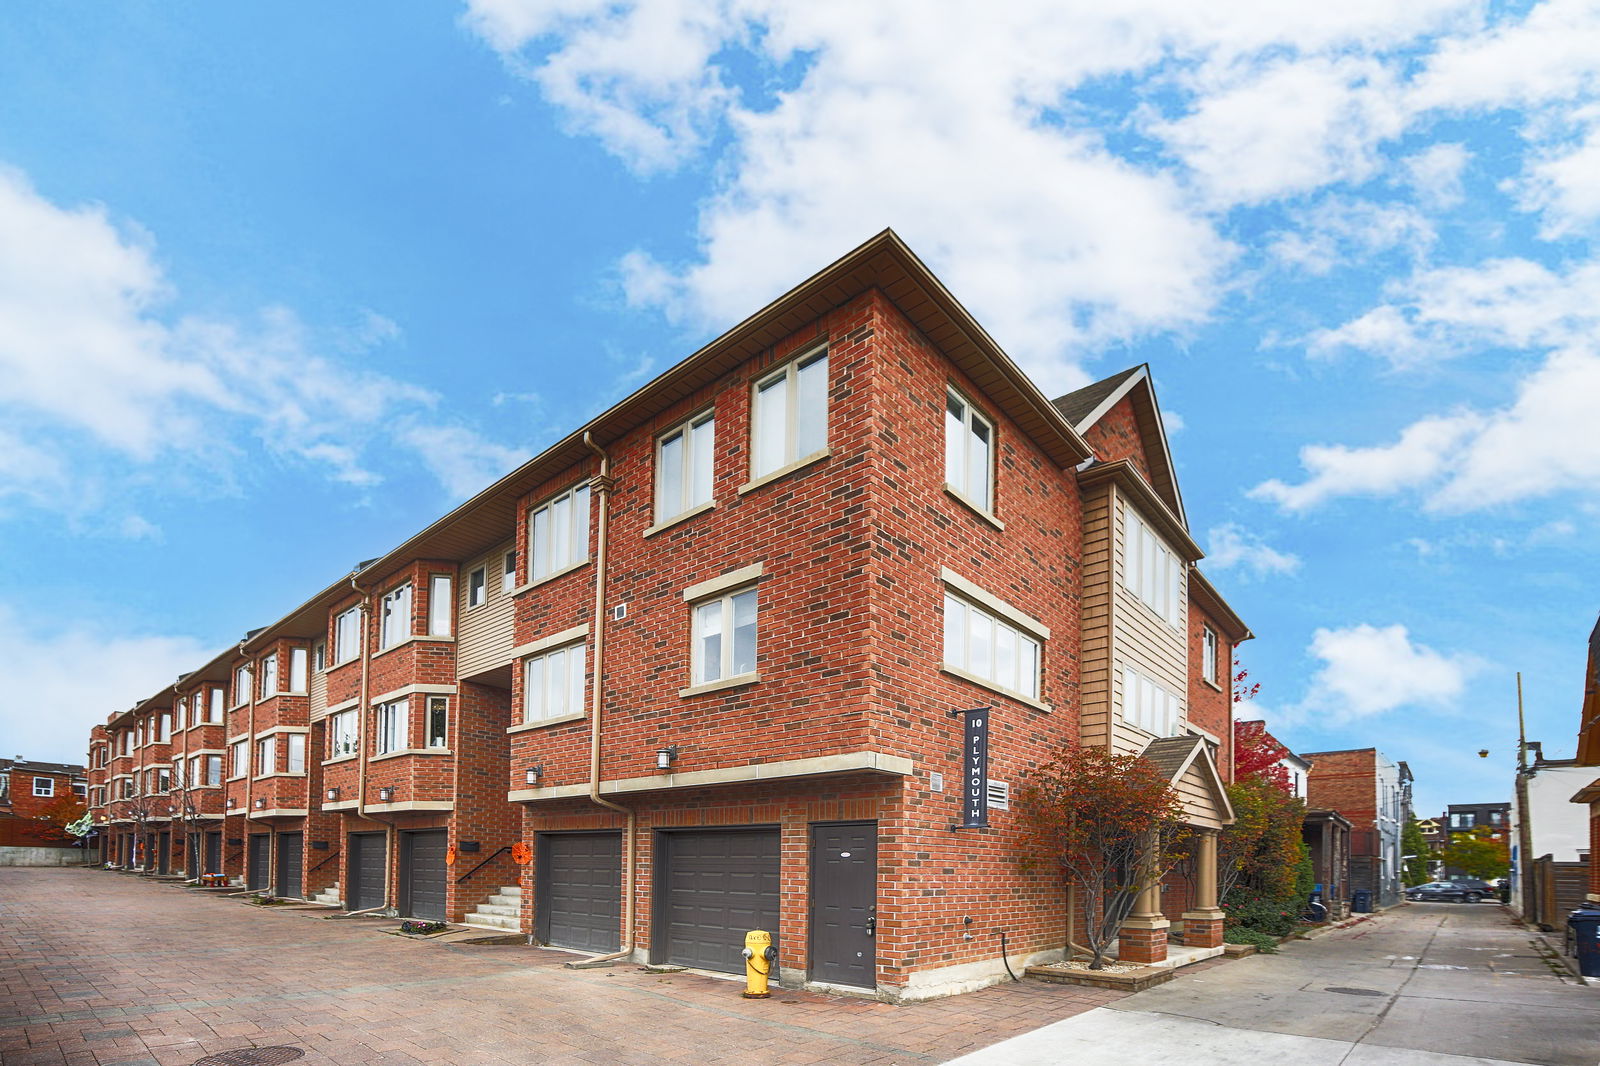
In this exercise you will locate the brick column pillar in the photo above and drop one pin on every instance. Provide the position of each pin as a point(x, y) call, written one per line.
point(1143, 937)
point(1202, 926)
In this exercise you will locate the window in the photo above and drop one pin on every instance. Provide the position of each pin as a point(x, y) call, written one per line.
point(1148, 705)
point(725, 637)
point(478, 588)
point(791, 414)
point(392, 726)
point(968, 451)
point(140, 741)
point(195, 778)
point(214, 708)
point(1150, 570)
point(978, 643)
point(1496, 817)
point(1208, 654)
point(552, 683)
point(295, 753)
point(127, 742)
point(166, 726)
point(560, 532)
point(181, 715)
point(683, 467)
point(266, 756)
point(128, 788)
point(239, 753)
point(343, 732)
point(439, 605)
point(177, 773)
point(508, 572)
point(299, 674)
point(346, 635)
point(394, 617)
point(80, 789)
point(1461, 821)
point(163, 782)
point(269, 676)
point(438, 722)
point(241, 686)
point(44, 786)
point(213, 771)
point(319, 656)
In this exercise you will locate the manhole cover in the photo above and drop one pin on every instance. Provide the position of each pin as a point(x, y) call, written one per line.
point(1341, 991)
point(252, 1056)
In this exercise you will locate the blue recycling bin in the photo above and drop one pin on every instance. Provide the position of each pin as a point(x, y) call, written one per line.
point(1361, 901)
point(1583, 937)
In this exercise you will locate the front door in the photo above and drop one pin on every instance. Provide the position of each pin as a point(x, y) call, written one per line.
point(163, 852)
point(423, 873)
point(213, 863)
point(257, 871)
point(287, 883)
point(844, 898)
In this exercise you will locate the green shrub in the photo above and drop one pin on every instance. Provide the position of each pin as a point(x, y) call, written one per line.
point(1239, 935)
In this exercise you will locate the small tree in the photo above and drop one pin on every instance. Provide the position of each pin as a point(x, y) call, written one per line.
point(1256, 755)
point(61, 814)
point(1414, 844)
point(1478, 854)
point(1112, 825)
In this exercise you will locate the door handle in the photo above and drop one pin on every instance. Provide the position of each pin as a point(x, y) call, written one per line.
point(872, 922)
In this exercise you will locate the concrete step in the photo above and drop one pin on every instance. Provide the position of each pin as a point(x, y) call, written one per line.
point(511, 890)
point(497, 922)
point(502, 900)
point(503, 911)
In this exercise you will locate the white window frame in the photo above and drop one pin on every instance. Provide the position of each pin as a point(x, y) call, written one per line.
point(1149, 705)
point(1151, 570)
point(508, 573)
point(436, 738)
point(166, 727)
point(344, 733)
point(1208, 654)
point(394, 616)
point(540, 700)
point(726, 610)
point(163, 782)
point(267, 756)
point(696, 463)
point(347, 635)
point(441, 608)
point(392, 726)
point(975, 486)
point(242, 685)
point(545, 537)
point(49, 787)
point(478, 586)
point(269, 675)
point(299, 678)
point(180, 714)
point(319, 656)
point(213, 771)
point(294, 753)
point(215, 708)
point(239, 764)
point(790, 455)
point(976, 639)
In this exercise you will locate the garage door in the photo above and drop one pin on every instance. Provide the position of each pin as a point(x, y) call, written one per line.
point(213, 861)
point(716, 886)
point(422, 874)
point(580, 890)
point(257, 870)
point(368, 863)
point(290, 862)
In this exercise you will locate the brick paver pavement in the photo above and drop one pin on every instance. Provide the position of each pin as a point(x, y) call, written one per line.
point(104, 969)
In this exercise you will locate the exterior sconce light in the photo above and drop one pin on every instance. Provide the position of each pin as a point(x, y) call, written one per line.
point(333, 794)
point(261, 801)
point(385, 794)
point(533, 773)
point(666, 756)
point(171, 809)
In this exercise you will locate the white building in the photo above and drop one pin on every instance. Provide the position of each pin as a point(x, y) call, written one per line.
point(1559, 827)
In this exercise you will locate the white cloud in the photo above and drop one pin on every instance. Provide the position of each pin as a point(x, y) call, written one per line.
point(1231, 545)
point(46, 671)
point(1561, 182)
point(1337, 229)
point(461, 460)
point(1551, 54)
point(1417, 458)
point(1172, 422)
point(1367, 670)
point(95, 369)
point(1435, 173)
point(138, 527)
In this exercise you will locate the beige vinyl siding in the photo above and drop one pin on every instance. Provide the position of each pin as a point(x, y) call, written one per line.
point(317, 695)
point(1199, 805)
point(486, 634)
point(1142, 639)
point(1095, 651)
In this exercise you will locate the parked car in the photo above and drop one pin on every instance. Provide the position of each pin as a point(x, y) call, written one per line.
point(1466, 890)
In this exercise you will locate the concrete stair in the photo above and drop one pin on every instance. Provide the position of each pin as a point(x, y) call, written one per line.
point(502, 913)
point(329, 897)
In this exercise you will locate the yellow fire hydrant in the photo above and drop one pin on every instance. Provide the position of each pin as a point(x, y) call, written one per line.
point(759, 955)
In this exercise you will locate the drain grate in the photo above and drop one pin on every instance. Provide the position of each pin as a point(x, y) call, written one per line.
point(1341, 991)
point(252, 1056)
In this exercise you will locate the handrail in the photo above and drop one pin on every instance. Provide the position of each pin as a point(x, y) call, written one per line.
point(482, 864)
point(331, 856)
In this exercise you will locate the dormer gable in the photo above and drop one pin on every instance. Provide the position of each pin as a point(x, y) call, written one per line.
point(1120, 419)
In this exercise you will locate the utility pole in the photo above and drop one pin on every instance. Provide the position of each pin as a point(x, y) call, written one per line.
point(1524, 815)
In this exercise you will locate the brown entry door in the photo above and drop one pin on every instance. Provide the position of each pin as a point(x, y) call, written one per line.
point(844, 898)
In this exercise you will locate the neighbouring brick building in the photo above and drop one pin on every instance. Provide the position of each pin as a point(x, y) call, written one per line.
point(30, 793)
point(1374, 795)
point(1589, 755)
point(690, 670)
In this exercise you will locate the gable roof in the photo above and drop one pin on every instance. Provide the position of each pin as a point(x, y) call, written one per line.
point(1089, 404)
point(1173, 757)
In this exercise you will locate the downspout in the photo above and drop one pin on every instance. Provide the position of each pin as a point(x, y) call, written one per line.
point(249, 758)
point(362, 736)
point(601, 486)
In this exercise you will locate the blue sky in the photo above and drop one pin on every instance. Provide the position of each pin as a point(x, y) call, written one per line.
point(280, 284)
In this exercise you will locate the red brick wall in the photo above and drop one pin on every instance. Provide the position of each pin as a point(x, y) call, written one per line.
point(1116, 436)
point(1210, 701)
point(1345, 781)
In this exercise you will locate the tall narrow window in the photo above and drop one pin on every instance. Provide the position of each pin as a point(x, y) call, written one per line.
point(478, 586)
point(791, 414)
point(196, 778)
point(391, 726)
point(269, 676)
point(1208, 654)
point(295, 753)
point(438, 721)
point(180, 714)
point(968, 451)
point(560, 532)
point(343, 732)
point(298, 669)
point(267, 756)
point(684, 467)
point(508, 572)
point(240, 752)
point(395, 617)
point(319, 656)
point(347, 635)
point(552, 683)
point(213, 770)
point(725, 637)
point(177, 773)
point(241, 686)
point(166, 726)
point(214, 701)
point(439, 605)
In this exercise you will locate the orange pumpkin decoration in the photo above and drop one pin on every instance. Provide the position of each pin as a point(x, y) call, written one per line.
point(521, 853)
point(450, 855)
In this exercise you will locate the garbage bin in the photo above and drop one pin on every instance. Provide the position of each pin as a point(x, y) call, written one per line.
point(1361, 901)
point(1583, 934)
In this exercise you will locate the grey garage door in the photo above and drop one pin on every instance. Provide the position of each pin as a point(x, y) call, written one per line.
point(422, 873)
point(715, 886)
point(213, 861)
point(290, 863)
point(368, 862)
point(580, 890)
point(257, 869)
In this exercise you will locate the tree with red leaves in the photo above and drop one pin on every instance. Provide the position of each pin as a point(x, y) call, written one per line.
point(1258, 755)
point(1112, 825)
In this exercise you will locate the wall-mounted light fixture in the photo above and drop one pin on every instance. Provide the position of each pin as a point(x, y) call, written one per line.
point(385, 794)
point(261, 801)
point(533, 773)
point(666, 756)
point(171, 809)
point(333, 794)
point(230, 802)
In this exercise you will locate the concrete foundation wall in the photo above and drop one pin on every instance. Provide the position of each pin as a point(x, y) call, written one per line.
point(47, 856)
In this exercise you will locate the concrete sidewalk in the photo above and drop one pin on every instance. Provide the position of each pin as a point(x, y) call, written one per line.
point(1422, 985)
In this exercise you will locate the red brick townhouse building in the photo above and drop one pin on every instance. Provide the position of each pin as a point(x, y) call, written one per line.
point(31, 793)
point(691, 670)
